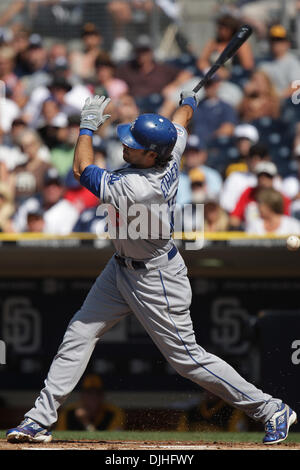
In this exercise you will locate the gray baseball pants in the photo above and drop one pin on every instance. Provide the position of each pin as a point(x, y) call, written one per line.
point(160, 299)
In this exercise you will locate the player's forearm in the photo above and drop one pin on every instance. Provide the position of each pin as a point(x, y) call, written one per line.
point(183, 115)
point(92, 118)
point(83, 155)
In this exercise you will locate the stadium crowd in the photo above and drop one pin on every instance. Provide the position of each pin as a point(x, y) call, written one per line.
point(242, 158)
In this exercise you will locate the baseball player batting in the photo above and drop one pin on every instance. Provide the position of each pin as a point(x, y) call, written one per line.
point(146, 277)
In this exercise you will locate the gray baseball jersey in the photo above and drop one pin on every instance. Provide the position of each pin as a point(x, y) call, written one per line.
point(159, 295)
point(155, 190)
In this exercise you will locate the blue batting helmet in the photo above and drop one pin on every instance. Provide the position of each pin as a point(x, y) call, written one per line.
point(149, 132)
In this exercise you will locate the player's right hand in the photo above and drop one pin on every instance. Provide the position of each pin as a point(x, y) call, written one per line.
point(190, 94)
point(92, 112)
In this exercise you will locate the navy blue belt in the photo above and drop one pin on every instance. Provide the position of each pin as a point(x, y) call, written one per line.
point(141, 264)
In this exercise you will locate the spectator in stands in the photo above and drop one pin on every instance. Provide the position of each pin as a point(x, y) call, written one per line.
point(191, 219)
point(78, 195)
point(227, 26)
point(145, 76)
point(238, 181)
point(125, 110)
point(20, 44)
point(37, 61)
point(213, 118)
point(35, 221)
point(246, 209)
point(7, 207)
point(83, 63)
point(57, 57)
point(27, 178)
point(62, 152)
point(195, 156)
point(105, 74)
point(92, 412)
point(260, 99)
point(245, 135)
point(14, 88)
point(272, 218)
point(284, 68)
point(59, 215)
point(10, 154)
point(90, 222)
point(198, 186)
point(18, 126)
point(215, 218)
point(69, 97)
point(50, 120)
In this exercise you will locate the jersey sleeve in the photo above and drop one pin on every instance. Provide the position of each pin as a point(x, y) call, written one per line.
point(108, 186)
point(180, 142)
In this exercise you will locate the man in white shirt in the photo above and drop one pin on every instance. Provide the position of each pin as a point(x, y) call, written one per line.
point(285, 67)
point(236, 183)
point(60, 215)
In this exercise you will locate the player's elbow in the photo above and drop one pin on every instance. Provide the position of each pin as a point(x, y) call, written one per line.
point(76, 172)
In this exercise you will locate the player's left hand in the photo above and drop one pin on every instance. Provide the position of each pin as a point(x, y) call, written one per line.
point(92, 112)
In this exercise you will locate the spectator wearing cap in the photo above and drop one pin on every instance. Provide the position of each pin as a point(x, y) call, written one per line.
point(69, 97)
point(198, 186)
point(190, 222)
point(226, 27)
point(27, 178)
point(36, 59)
point(82, 63)
point(245, 135)
point(105, 75)
point(213, 117)
point(92, 412)
point(59, 214)
point(238, 181)
point(284, 68)
point(50, 120)
point(246, 209)
point(59, 87)
point(7, 207)
point(260, 99)
point(195, 156)
point(145, 76)
point(272, 218)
